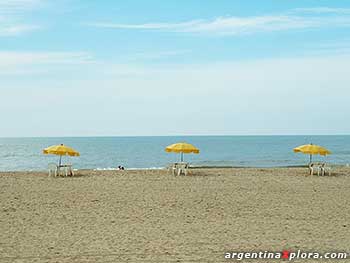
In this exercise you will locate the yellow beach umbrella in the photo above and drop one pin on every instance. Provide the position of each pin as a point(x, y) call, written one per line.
point(61, 150)
point(182, 147)
point(312, 149)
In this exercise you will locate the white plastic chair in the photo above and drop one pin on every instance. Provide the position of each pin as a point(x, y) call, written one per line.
point(67, 169)
point(52, 169)
point(182, 168)
point(172, 168)
point(329, 170)
point(311, 169)
point(319, 169)
point(324, 168)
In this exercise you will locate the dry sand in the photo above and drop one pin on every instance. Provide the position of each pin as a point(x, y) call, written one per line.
point(150, 216)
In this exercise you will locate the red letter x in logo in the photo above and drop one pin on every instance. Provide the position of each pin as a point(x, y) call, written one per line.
point(285, 254)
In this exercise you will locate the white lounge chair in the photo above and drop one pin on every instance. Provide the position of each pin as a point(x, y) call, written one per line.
point(178, 168)
point(311, 168)
point(323, 169)
point(182, 168)
point(172, 168)
point(67, 168)
point(53, 169)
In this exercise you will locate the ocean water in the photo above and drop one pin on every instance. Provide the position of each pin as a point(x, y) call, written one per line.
point(18, 154)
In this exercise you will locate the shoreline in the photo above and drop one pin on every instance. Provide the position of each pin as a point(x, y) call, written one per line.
point(336, 170)
point(194, 167)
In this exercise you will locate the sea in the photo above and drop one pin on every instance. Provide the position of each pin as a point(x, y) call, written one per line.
point(107, 153)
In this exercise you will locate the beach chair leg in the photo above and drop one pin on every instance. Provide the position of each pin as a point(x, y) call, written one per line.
point(186, 171)
point(179, 172)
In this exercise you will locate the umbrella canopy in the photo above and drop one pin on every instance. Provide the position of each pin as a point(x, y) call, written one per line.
point(61, 150)
point(312, 149)
point(182, 147)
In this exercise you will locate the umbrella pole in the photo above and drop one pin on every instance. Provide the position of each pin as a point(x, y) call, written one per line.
point(310, 158)
point(59, 164)
point(182, 157)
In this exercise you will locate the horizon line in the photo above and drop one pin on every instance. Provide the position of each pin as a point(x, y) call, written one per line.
point(178, 135)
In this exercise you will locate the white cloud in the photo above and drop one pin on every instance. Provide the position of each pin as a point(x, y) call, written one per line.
point(12, 16)
point(16, 58)
point(17, 29)
point(297, 19)
point(156, 55)
point(15, 6)
point(339, 47)
point(25, 63)
point(271, 96)
point(31, 62)
point(323, 10)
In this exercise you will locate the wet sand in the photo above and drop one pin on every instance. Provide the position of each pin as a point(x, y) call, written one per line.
point(151, 216)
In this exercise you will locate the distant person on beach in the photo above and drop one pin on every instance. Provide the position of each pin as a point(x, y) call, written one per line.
point(121, 167)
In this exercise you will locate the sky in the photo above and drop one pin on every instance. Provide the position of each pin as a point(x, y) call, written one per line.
point(184, 67)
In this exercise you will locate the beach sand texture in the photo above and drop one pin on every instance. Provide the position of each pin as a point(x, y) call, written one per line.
point(151, 216)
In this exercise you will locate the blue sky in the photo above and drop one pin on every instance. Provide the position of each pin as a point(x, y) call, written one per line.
point(154, 67)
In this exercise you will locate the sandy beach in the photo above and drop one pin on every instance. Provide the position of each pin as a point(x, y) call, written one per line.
point(151, 216)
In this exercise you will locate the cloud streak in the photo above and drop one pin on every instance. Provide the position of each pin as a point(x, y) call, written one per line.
point(297, 19)
point(12, 16)
point(323, 10)
point(17, 6)
point(17, 29)
point(30, 62)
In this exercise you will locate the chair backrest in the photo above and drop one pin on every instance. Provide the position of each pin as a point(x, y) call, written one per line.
point(171, 165)
point(182, 165)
